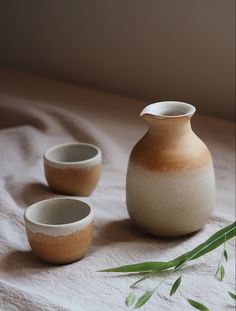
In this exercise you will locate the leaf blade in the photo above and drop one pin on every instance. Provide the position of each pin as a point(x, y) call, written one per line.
point(130, 299)
point(175, 286)
point(225, 255)
point(143, 299)
point(232, 295)
point(197, 305)
point(138, 267)
point(222, 273)
point(217, 239)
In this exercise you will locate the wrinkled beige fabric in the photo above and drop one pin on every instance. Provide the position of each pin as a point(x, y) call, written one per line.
point(36, 114)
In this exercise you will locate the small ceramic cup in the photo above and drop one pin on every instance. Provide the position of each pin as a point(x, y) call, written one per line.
point(73, 169)
point(59, 230)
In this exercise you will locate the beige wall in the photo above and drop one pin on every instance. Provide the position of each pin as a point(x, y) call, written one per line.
point(149, 49)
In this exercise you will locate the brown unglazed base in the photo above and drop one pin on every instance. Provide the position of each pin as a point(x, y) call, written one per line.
point(73, 181)
point(61, 249)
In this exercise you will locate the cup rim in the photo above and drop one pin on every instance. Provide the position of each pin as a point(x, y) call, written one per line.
point(90, 161)
point(82, 221)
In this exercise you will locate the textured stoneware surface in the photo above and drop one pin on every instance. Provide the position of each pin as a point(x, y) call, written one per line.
point(73, 169)
point(73, 181)
point(61, 249)
point(59, 230)
point(170, 177)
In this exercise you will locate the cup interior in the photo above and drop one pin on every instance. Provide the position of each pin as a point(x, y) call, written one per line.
point(57, 212)
point(71, 153)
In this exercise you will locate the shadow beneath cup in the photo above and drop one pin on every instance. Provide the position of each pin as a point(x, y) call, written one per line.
point(36, 191)
point(17, 261)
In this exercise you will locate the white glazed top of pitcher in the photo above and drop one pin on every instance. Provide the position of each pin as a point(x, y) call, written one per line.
point(169, 109)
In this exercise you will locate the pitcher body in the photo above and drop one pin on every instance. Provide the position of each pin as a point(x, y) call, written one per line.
point(170, 186)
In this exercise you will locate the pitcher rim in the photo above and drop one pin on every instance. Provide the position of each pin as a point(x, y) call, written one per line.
point(162, 109)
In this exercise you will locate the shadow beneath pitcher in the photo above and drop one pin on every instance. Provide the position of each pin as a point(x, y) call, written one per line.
point(117, 231)
point(125, 230)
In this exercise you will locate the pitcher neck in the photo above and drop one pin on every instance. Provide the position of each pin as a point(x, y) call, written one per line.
point(168, 118)
point(170, 127)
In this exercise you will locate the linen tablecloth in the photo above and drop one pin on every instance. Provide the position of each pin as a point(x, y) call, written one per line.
point(37, 113)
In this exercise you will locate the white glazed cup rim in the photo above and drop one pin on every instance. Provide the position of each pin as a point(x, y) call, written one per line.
point(88, 218)
point(157, 109)
point(81, 163)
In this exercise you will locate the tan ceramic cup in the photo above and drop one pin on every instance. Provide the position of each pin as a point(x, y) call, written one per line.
point(59, 230)
point(73, 169)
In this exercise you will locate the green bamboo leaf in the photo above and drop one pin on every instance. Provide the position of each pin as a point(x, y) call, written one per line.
point(226, 255)
point(217, 239)
point(175, 286)
point(143, 299)
point(139, 267)
point(197, 305)
point(130, 299)
point(222, 273)
point(232, 295)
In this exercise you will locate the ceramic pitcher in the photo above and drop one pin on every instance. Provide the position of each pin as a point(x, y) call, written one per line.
point(170, 186)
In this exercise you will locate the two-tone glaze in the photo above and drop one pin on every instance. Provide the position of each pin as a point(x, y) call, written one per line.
point(59, 230)
point(170, 186)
